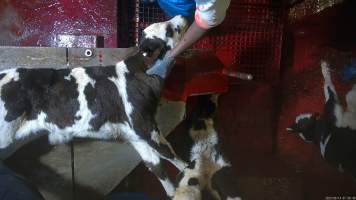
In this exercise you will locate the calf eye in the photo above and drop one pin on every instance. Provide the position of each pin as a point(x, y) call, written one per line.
point(177, 29)
point(193, 181)
point(169, 31)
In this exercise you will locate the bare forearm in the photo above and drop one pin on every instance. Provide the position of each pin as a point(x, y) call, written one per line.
point(193, 34)
point(164, 66)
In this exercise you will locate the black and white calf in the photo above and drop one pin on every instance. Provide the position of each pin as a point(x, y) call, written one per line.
point(112, 102)
point(334, 131)
point(208, 169)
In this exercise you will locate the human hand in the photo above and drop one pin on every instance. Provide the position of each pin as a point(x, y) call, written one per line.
point(162, 67)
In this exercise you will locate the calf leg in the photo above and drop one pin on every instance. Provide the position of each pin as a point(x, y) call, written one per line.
point(153, 162)
point(165, 150)
point(6, 135)
point(328, 85)
point(333, 109)
point(8, 132)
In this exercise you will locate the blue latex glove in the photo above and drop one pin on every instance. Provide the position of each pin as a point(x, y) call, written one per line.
point(348, 72)
point(162, 67)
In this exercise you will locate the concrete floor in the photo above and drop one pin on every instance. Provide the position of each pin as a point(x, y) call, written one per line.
point(246, 121)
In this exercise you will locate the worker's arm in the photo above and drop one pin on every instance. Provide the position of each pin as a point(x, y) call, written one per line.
point(163, 67)
point(193, 34)
point(209, 13)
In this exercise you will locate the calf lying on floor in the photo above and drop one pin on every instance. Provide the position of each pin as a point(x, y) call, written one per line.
point(334, 131)
point(208, 169)
point(109, 102)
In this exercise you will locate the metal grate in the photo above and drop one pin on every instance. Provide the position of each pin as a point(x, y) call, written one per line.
point(148, 14)
point(133, 17)
point(249, 40)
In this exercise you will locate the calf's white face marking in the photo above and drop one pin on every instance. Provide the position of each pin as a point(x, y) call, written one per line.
point(159, 30)
point(303, 116)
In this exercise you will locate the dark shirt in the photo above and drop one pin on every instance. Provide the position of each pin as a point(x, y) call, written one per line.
point(14, 187)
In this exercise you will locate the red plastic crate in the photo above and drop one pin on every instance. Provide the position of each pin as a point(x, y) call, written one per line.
point(189, 77)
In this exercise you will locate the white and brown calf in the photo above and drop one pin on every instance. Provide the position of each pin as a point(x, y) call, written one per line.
point(111, 102)
point(208, 169)
point(333, 131)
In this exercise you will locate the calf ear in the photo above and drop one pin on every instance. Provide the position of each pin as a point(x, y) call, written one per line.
point(148, 46)
point(169, 31)
point(153, 47)
point(293, 128)
point(316, 116)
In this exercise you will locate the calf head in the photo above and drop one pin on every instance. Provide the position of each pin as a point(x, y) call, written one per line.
point(160, 37)
point(304, 126)
point(201, 119)
point(187, 193)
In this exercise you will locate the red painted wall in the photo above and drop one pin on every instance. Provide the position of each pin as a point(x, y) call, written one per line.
point(319, 36)
point(37, 22)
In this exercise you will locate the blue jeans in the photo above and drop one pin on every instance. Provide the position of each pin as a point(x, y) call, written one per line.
point(13, 187)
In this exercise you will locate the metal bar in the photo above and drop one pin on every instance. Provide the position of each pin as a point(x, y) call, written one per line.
point(97, 56)
point(39, 57)
point(58, 57)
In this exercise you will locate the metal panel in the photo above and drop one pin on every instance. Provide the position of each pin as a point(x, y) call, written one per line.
point(48, 57)
point(97, 56)
point(29, 57)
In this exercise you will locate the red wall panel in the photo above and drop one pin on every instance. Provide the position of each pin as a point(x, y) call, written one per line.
point(38, 22)
point(312, 39)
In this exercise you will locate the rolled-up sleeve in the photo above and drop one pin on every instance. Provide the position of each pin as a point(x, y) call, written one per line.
point(210, 13)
